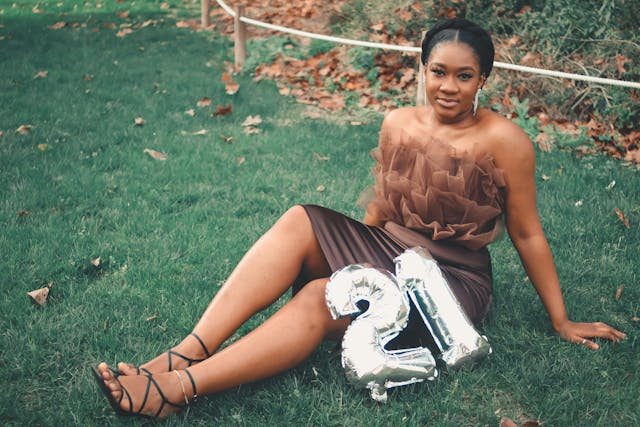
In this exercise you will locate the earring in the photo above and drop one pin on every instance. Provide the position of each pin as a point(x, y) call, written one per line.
point(475, 101)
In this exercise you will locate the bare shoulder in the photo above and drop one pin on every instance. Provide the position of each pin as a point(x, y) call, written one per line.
point(508, 141)
point(400, 117)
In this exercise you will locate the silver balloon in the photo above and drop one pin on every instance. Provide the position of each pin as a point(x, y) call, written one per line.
point(458, 341)
point(366, 361)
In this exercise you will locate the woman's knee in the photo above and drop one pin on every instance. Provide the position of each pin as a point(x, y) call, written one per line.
point(312, 301)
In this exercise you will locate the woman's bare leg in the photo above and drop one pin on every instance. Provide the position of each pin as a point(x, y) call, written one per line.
point(282, 342)
point(265, 272)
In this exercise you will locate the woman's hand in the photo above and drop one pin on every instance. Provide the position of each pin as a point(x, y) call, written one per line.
point(580, 333)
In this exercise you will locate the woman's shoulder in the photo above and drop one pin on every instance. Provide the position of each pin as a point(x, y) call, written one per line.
point(503, 134)
point(401, 117)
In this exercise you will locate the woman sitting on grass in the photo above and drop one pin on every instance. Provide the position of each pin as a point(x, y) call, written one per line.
point(446, 175)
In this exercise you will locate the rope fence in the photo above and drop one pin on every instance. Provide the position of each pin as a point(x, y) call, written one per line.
point(240, 51)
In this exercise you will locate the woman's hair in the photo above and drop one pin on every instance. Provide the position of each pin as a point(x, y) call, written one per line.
point(462, 31)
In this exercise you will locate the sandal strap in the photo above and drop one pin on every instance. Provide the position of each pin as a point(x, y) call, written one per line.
point(204, 347)
point(165, 401)
point(193, 384)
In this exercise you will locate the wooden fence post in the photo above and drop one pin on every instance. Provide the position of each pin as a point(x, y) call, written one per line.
point(239, 38)
point(204, 13)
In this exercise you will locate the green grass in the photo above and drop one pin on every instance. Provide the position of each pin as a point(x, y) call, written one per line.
point(169, 232)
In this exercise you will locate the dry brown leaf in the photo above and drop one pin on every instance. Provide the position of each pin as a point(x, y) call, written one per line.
point(123, 15)
point(226, 77)
point(223, 111)
point(57, 25)
point(147, 23)
point(88, 77)
point(251, 130)
point(155, 154)
point(319, 157)
point(37, 10)
point(23, 129)
point(110, 25)
point(123, 32)
point(41, 74)
point(227, 139)
point(1, 134)
point(96, 262)
point(252, 120)
point(507, 422)
point(164, 6)
point(545, 177)
point(320, 188)
point(619, 292)
point(200, 132)
point(622, 218)
point(139, 121)
point(204, 102)
point(543, 142)
point(190, 112)
point(43, 147)
point(531, 423)
point(620, 61)
point(241, 160)
point(635, 319)
point(152, 317)
point(40, 296)
point(23, 213)
point(232, 87)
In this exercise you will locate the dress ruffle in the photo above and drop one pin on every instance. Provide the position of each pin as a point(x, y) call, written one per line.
point(428, 187)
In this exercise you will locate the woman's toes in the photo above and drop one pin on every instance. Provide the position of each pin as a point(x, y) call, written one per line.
point(127, 368)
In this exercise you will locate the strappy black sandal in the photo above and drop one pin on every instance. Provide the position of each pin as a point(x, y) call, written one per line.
point(170, 353)
point(115, 404)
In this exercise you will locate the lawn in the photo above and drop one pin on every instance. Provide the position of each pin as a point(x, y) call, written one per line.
point(136, 247)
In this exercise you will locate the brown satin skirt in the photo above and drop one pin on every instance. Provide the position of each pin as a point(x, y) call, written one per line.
point(345, 241)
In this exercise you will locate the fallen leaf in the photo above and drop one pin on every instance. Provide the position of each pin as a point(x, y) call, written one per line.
point(620, 61)
point(223, 111)
point(611, 185)
point(545, 177)
point(622, 218)
point(204, 102)
point(40, 296)
point(635, 319)
point(123, 32)
point(23, 129)
point(41, 74)
point(320, 188)
point(109, 25)
point(155, 154)
point(226, 77)
point(531, 423)
point(57, 25)
point(184, 24)
point(123, 15)
point(251, 130)
point(226, 139)
point(578, 203)
point(23, 213)
point(252, 120)
point(105, 324)
point(139, 121)
point(232, 87)
point(88, 77)
point(543, 142)
point(147, 23)
point(355, 123)
point(200, 132)
point(190, 112)
point(164, 6)
point(241, 160)
point(507, 422)
point(43, 147)
point(1, 134)
point(35, 9)
point(95, 262)
point(319, 157)
point(152, 317)
point(619, 292)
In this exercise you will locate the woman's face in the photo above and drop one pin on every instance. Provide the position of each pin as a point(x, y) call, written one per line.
point(452, 79)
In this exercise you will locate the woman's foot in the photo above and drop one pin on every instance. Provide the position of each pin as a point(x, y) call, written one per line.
point(155, 396)
point(189, 352)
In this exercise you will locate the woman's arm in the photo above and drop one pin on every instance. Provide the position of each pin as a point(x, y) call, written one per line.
point(517, 158)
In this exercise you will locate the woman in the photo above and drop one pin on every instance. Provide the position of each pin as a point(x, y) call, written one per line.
point(446, 176)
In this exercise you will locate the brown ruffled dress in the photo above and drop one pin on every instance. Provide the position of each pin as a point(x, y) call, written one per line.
point(427, 195)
